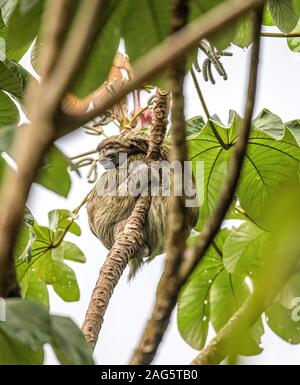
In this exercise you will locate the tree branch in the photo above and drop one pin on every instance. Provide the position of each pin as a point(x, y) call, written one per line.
point(280, 35)
point(32, 141)
point(168, 290)
point(27, 152)
point(167, 52)
point(129, 241)
point(177, 212)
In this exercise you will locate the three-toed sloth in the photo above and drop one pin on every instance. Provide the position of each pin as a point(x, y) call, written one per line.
point(114, 196)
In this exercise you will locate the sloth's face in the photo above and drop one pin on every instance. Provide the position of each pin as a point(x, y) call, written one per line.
point(112, 155)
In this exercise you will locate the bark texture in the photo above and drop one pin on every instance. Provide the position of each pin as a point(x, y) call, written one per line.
point(130, 240)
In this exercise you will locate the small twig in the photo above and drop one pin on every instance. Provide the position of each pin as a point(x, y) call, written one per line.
point(280, 35)
point(84, 154)
point(205, 109)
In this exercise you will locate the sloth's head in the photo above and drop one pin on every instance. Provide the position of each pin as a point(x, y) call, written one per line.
point(115, 148)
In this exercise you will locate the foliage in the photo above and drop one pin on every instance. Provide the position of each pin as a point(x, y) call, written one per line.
point(226, 276)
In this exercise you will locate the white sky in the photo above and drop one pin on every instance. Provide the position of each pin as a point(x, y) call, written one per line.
point(130, 306)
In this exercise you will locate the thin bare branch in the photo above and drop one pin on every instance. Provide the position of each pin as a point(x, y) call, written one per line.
point(177, 212)
point(167, 292)
point(280, 35)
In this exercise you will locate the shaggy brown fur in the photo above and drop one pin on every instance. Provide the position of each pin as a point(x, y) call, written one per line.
point(108, 214)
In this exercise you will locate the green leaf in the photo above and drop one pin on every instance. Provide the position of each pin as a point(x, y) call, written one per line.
point(147, 23)
point(193, 312)
point(60, 220)
point(66, 285)
point(102, 53)
point(9, 113)
point(205, 148)
point(69, 343)
point(280, 320)
point(294, 42)
point(13, 78)
point(28, 322)
point(23, 23)
point(24, 243)
point(290, 292)
point(194, 125)
point(296, 4)
point(242, 253)
point(7, 7)
point(268, 165)
point(227, 295)
point(284, 15)
point(72, 252)
point(270, 123)
point(294, 127)
point(34, 288)
point(267, 18)
point(13, 352)
point(54, 173)
point(244, 32)
point(220, 40)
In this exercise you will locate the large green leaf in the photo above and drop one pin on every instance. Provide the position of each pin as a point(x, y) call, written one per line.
point(243, 249)
point(294, 127)
point(54, 173)
point(69, 343)
point(268, 165)
point(294, 42)
point(13, 78)
point(194, 125)
point(28, 327)
point(9, 113)
point(101, 54)
point(146, 25)
point(13, 352)
point(193, 312)
point(23, 23)
point(47, 264)
point(244, 32)
point(72, 252)
point(283, 14)
point(34, 288)
point(280, 320)
point(296, 4)
point(66, 285)
point(290, 292)
point(222, 39)
point(61, 219)
point(270, 123)
point(28, 322)
point(227, 295)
